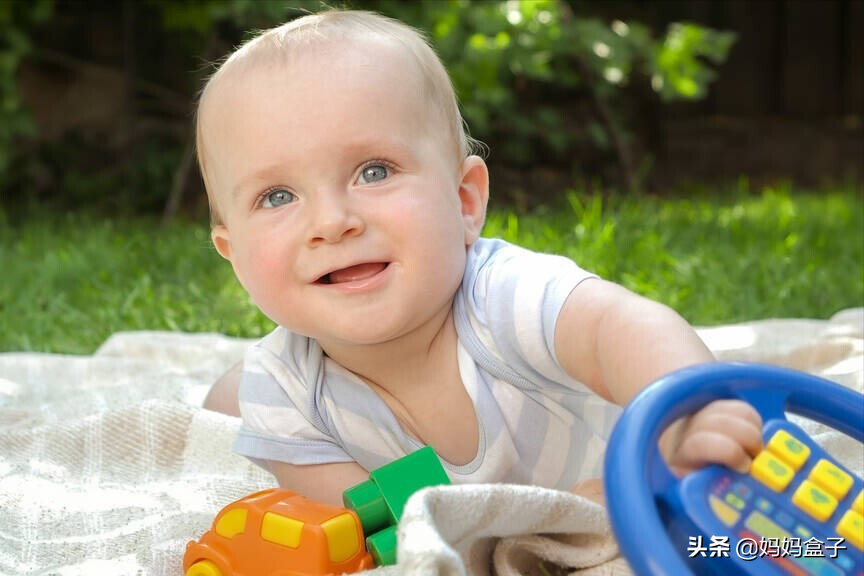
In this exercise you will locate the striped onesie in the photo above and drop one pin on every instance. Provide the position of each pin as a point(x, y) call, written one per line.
point(537, 425)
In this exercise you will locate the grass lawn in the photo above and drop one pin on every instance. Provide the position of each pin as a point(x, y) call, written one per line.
point(68, 282)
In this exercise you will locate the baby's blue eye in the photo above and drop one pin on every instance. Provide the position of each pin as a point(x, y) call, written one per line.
point(373, 173)
point(278, 197)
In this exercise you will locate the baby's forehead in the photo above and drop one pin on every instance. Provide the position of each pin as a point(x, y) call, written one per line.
point(313, 54)
point(328, 63)
point(325, 62)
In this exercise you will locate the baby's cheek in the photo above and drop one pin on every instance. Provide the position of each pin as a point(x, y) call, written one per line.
point(267, 281)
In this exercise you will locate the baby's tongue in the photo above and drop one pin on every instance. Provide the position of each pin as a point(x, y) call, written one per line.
point(358, 272)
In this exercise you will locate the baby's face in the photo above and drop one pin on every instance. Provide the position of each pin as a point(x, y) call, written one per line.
point(340, 195)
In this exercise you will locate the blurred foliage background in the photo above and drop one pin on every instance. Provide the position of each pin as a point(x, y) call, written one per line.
point(97, 96)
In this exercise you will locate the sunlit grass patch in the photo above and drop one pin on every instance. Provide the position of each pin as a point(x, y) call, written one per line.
point(715, 258)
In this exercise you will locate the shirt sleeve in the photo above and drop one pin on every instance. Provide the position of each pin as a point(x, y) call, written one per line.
point(512, 298)
point(278, 404)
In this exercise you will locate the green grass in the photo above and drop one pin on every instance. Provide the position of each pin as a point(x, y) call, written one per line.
point(714, 258)
point(69, 282)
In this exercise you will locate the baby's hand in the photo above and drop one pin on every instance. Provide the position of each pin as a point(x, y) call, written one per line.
point(727, 432)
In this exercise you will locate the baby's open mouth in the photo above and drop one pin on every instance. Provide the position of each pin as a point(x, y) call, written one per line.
point(353, 273)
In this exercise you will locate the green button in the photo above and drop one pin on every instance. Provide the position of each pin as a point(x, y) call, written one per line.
point(735, 501)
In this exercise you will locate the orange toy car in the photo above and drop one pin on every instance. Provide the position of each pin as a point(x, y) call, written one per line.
point(278, 532)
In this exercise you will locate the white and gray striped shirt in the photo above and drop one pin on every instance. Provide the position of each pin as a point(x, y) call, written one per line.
point(537, 425)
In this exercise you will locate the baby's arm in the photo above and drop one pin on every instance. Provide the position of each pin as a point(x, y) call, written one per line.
point(320, 482)
point(222, 396)
point(617, 342)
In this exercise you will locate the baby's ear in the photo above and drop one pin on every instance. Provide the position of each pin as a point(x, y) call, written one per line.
point(474, 195)
point(221, 240)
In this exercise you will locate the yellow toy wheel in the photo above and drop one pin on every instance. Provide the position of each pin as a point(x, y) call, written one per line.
point(203, 568)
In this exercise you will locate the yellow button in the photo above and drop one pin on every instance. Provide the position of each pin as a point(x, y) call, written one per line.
point(790, 449)
point(851, 527)
point(858, 504)
point(728, 515)
point(771, 471)
point(814, 500)
point(831, 478)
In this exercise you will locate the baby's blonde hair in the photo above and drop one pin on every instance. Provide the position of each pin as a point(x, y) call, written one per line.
point(276, 44)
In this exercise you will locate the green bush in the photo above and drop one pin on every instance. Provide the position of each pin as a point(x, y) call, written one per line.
point(539, 81)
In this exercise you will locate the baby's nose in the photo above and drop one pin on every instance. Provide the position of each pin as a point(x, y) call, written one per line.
point(334, 219)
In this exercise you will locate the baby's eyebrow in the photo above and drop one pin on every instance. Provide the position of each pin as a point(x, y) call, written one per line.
point(257, 179)
point(372, 148)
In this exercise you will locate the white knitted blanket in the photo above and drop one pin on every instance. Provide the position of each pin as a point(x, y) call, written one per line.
point(108, 465)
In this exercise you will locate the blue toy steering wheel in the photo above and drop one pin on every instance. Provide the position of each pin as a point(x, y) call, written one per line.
point(637, 481)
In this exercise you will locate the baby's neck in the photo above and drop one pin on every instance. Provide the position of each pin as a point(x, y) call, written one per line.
point(420, 381)
point(409, 362)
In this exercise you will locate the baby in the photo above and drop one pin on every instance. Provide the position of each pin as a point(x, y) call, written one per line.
point(346, 196)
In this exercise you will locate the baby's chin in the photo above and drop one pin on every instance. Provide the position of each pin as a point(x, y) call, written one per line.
point(366, 335)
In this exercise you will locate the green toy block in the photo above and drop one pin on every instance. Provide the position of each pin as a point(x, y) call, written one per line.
point(382, 546)
point(380, 500)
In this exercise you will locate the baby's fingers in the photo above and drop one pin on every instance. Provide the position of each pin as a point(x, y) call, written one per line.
point(727, 432)
point(703, 447)
point(733, 418)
